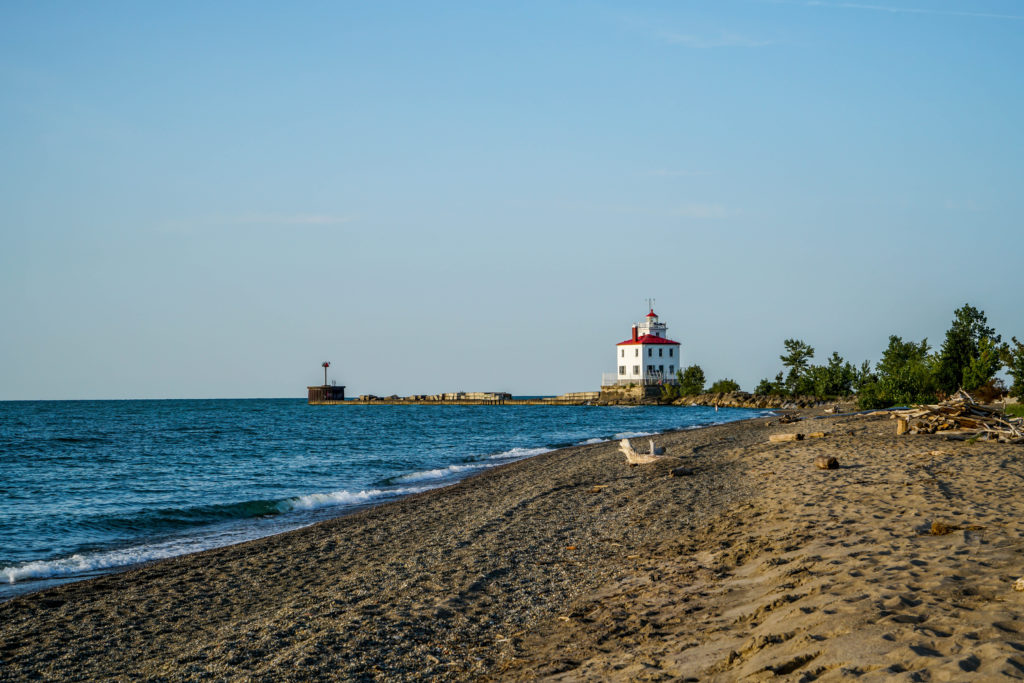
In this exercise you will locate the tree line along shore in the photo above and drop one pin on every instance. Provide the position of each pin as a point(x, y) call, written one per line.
point(971, 356)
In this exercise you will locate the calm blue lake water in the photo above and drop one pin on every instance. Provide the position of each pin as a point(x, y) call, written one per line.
point(90, 486)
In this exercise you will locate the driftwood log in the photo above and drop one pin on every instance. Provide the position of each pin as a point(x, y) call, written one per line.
point(778, 438)
point(826, 462)
point(635, 458)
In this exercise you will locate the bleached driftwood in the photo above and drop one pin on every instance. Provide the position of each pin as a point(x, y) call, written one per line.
point(634, 458)
point(778, 438)
point(960, 417)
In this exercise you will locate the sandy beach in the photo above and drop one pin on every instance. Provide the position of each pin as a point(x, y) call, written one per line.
point(572, 565)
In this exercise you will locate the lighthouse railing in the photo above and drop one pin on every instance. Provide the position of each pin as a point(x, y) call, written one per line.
point(610, 379)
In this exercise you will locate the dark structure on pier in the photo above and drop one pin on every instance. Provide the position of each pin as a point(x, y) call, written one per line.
point(326, 392)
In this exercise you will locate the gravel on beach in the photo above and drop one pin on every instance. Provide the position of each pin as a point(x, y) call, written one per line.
point(572, 565)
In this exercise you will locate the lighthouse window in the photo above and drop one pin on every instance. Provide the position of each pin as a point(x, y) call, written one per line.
point(671, 369)
point(623, 355)
point(660, 352)
point(636, 352)
point(650, 352)
point(670, 352)
point(622, 369)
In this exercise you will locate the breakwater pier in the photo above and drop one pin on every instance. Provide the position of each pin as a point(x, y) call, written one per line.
point(482, 398)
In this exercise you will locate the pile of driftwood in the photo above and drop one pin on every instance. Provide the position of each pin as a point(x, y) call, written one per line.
point(960, 417)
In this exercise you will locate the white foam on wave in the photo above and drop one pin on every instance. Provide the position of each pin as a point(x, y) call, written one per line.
point(440, 473)
point(83, 563)
point(632, 435)
point(314, 501)
point(591, 441)
point(520, 453)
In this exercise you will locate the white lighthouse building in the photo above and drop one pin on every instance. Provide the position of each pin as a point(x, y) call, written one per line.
point(647, 357)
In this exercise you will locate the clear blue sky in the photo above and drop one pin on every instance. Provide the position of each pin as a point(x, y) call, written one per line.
point(209, 199)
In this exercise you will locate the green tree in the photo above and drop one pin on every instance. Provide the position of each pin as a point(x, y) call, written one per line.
point(724, 386)
point(904, 375)
point(769, 388)
point(1013, 357)
point(669, 392)
point(834, 379)
point(691, 381)
point(797, 358)
point(982, 370)
point(864, 375)
point(962, 350)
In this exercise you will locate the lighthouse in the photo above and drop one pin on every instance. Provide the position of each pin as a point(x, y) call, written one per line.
point(648, 356)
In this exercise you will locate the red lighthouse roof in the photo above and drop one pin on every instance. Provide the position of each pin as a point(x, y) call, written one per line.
point(648, 339)
point(652, 314)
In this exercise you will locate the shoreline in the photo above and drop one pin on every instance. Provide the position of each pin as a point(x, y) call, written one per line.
point(242, 531)
point(570, 564)
point(418, 538)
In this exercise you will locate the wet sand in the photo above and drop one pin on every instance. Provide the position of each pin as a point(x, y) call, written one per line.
point(572, 565)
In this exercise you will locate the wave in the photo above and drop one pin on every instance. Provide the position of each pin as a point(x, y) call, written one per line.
point(81, 563)
point(453, 470)
point(632, 435)
point(439, 473)
point(520, 453)
point(591, 441)
point(314, 501)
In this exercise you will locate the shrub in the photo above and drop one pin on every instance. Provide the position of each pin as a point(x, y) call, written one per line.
point(724, 386)
point(904, 375)
point(1013, 356)
point(691, 381)
point(797, 359)
point(832, 380)
point(769, 388)
point(969, 356)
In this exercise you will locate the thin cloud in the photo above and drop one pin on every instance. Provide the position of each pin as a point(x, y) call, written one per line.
point(669, 173)
point(723, 40)
point(966, 205)
point(890, 9)
point(289, 219)
point(696, 210)
point(296, 220)
point(701, 211)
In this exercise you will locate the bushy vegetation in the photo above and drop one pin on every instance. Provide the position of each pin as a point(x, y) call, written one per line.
point(909, 372)
point(768, 387)
point(1015, 409)
point(724, 386)
point(691, 381)
point(802, 378)
point(1013, 358)
point(970, 353)
point(906, 374)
